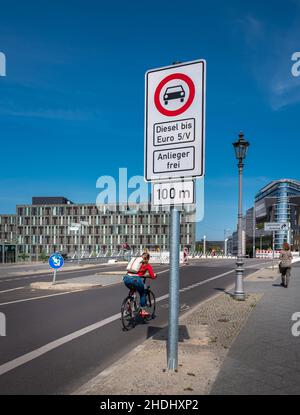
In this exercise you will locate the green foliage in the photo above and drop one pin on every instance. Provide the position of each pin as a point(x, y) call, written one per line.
point(23, 256)
point(43, 256)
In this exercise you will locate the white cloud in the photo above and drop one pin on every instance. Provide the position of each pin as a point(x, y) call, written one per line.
point(270, 50)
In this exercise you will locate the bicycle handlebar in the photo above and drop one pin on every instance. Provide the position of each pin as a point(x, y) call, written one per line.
point(147, 276)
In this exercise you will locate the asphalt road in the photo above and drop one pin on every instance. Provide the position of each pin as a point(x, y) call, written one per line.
point(56, 343)
point(9, 282)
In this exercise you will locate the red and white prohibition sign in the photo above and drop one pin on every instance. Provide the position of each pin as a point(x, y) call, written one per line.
point(169, 89)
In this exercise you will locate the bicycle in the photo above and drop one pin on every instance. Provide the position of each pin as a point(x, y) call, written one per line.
point(130, 309)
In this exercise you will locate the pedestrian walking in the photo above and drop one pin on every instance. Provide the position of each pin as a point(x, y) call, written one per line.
point(285, 264)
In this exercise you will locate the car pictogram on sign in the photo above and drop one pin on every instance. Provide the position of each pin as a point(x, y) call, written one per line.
point(174, 92)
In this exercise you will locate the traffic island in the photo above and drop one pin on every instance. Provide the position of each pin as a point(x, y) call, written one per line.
point(205, 335)
point(62, 286)
point(80, 283)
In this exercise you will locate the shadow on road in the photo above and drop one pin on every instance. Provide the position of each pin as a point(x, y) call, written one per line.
point(224, 291)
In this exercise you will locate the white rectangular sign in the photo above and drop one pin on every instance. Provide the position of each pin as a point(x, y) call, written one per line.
point(176, 193)
point(175, 121)
point(276, 226)
point(73, 228)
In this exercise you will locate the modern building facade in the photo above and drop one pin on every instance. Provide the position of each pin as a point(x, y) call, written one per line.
point(7, 238)
point(279, 201)
point(232, 245)
point(44, 227)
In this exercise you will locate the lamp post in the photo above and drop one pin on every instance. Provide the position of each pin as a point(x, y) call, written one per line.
point(225, 246)
point(204, 245)
point(254, 233)
point(225, 240)
point(240, 148)
point(260, 245)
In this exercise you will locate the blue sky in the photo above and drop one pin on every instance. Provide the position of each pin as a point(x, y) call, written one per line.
point(72, 103)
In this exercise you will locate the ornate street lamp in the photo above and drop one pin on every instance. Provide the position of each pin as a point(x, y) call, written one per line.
point(240, 148)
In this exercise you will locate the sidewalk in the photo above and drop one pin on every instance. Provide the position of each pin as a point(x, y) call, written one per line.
point(265, 358)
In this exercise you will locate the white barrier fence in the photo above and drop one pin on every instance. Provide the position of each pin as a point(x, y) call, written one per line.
point(268, 254)
point(162, 257)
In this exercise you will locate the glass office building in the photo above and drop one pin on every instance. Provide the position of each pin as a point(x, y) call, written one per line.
point(279, 201)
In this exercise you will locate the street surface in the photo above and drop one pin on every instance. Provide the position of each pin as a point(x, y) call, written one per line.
point(56, 342)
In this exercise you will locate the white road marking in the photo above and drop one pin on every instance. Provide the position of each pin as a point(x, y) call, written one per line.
point(44, 275)
point(21, 360)
point(160, 272)
point(52, 295)
point(7, 367)
point(40, 297)
point(12, 289)
point(13, 364)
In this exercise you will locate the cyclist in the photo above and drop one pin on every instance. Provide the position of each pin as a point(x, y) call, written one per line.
point(135, 280)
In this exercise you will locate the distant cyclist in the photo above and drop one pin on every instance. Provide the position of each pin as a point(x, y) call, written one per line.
point(135, 280)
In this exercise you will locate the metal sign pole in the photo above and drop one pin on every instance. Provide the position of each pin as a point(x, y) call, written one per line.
point(172, 350)
point(273, 247)
point(79, 237)
point(54, 276)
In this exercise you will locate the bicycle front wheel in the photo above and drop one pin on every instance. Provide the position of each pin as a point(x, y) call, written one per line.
point(128, 313)
point(150, 305)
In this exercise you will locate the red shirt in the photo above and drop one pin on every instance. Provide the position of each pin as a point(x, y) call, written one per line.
point(144, 268)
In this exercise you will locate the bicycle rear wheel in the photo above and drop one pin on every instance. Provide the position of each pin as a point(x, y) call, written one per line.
point(150, 305)
point(128, 314)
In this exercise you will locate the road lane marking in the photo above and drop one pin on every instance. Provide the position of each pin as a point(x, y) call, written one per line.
point(160, 272)
point(21, 360)
point(11, 279)
point(52, 295)
point(7, 367)
point(48, 274)
point(40, 297)
point(11, 289)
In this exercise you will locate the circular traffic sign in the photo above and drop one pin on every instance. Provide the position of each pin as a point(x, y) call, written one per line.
point(56, 261)
point(174, 92)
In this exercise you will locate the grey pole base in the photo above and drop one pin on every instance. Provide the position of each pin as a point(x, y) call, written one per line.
point(239, 296)
point(239, 293)
point(173, 364)
point(54, 277)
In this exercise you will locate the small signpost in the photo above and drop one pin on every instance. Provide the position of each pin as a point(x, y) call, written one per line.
point(174, 157)
point(276, 226)
point(177, 193)
point(56, 261)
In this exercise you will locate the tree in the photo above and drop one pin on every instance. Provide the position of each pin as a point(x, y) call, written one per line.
point(43, 256)
point(23, 256)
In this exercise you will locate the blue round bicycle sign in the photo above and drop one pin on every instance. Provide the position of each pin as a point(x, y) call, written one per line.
point(56, 261)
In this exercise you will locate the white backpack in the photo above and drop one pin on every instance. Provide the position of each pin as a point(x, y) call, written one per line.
point(134, 265)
